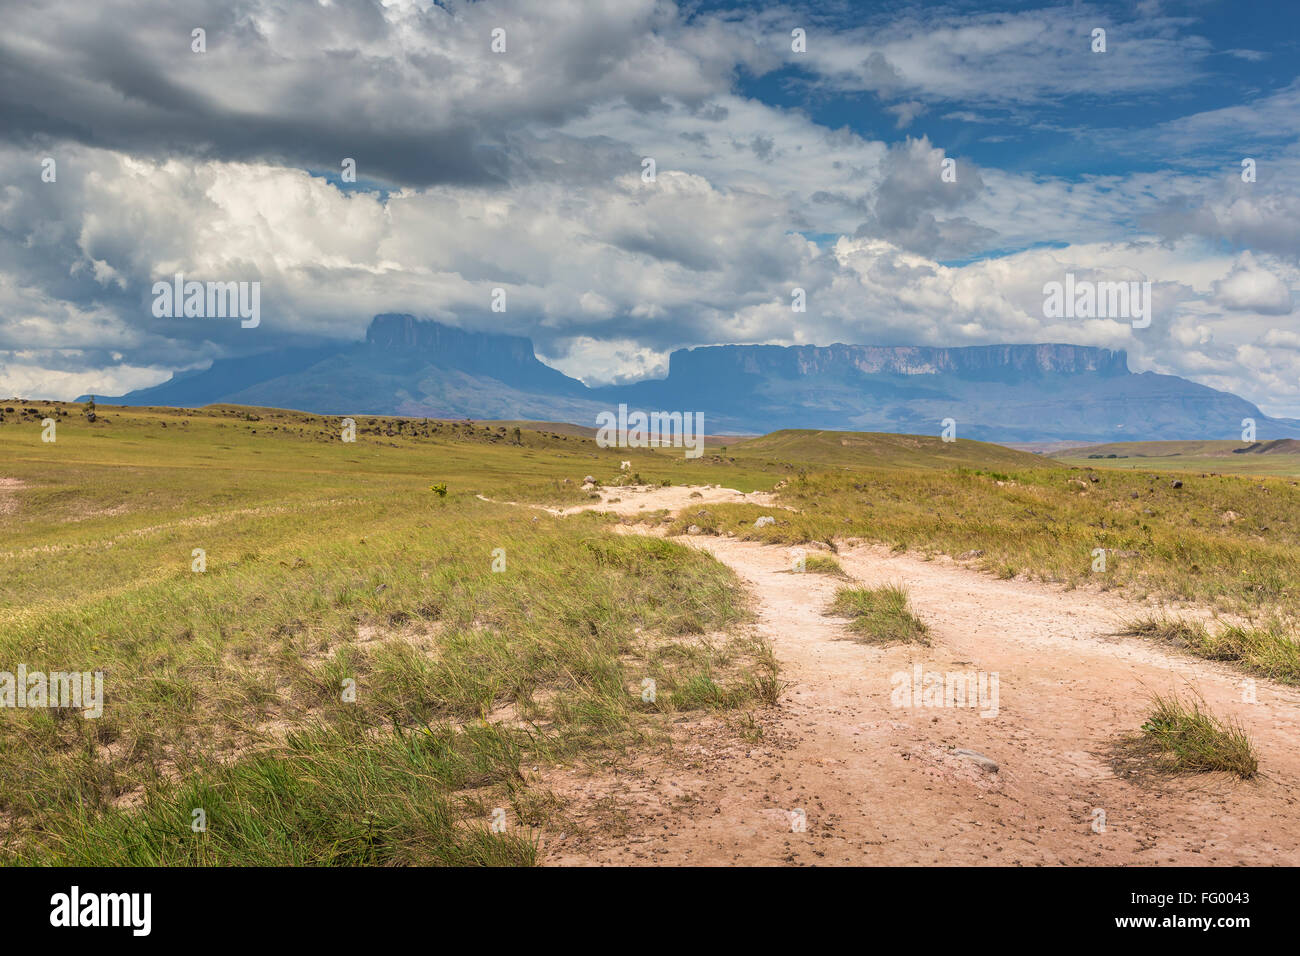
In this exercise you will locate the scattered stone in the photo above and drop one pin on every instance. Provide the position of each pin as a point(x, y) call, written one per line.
point(694, 529)
point(977, 758)
point(764, 521)
point(973, 553)
point(1175, 484)
point(1229, 517)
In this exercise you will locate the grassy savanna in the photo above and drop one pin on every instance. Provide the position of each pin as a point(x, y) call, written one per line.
point(1279, 458)
point(1228, 542)
point(327, 563)
point(831, 449)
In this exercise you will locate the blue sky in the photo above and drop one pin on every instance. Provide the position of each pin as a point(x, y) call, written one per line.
point(521, 169)
point(1229, 54)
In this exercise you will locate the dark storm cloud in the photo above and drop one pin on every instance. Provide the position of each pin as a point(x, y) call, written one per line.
point(416, 96)
point(107, 88)
point(913, 186)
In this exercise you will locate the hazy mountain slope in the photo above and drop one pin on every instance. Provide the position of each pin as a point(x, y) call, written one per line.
point(1024, 393)
point(225, 377)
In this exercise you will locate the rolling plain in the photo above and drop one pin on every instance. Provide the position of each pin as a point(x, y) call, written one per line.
point(435, 645)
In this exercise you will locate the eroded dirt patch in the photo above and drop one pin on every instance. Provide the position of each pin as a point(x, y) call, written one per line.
point(9, 487)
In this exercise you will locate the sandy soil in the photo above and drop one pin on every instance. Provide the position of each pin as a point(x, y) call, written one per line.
point(8, 498)
point(884, 784)
point(634, 499)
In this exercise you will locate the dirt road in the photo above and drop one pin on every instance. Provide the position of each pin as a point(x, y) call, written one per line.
point(843, 776)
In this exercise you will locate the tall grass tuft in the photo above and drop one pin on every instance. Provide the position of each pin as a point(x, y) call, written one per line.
point(880, 615)
point(1192, 739)
point(1267, 649)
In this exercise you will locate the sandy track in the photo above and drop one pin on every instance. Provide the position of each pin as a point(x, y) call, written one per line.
point(635, 499)
point(880, 784)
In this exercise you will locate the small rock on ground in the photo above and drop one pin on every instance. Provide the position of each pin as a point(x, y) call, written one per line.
point(977, 758)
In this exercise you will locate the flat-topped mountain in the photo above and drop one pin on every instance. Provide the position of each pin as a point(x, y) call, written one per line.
point(409, 366)
point(996, 361)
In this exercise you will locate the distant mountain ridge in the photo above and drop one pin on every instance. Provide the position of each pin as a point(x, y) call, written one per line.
point(491, 354)
point(1025, 393)
point(970, 361)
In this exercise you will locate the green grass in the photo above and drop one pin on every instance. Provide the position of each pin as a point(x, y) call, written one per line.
point(877, 449)
point(1277, 458)
point(1187, 737)
point(329, 563)
point(880, 615)
point(1266, 650)
point(823, 564)
point(325, 796)
point(1044, 524)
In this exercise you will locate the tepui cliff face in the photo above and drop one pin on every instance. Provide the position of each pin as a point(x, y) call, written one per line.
point(1010, 361)
point(410, 366)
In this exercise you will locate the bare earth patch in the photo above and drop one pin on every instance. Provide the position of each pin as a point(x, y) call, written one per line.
point(8, 496)
point(633, 499)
